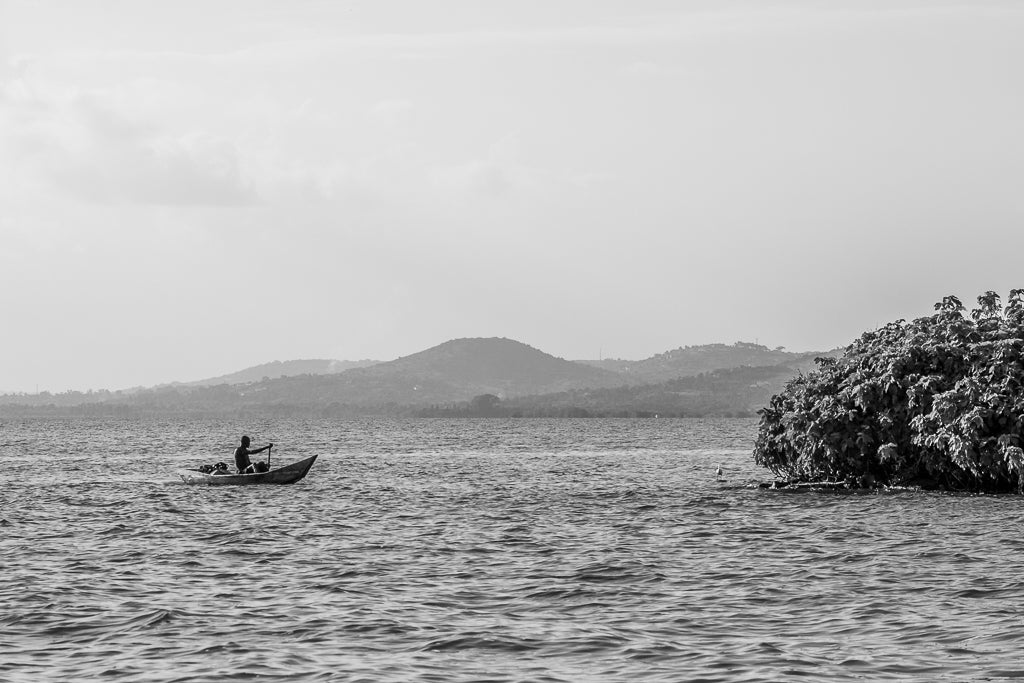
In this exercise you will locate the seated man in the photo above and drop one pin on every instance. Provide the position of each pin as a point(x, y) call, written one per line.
point(242, 454)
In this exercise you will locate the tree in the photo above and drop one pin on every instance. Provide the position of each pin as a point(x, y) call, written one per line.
point(485, 404)
point(936, 402)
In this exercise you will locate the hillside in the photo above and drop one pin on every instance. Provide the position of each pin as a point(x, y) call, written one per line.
point(288, 368)
point(689, 361)
point(446, 379)
point(498, 365)
point(453, 371)
point(733, 392)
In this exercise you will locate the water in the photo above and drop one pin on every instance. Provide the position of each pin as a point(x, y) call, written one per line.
point(485, 550)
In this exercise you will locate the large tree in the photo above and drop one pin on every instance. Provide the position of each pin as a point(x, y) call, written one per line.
point(937, 402)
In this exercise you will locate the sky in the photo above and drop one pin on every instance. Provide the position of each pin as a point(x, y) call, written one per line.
point(191, 188)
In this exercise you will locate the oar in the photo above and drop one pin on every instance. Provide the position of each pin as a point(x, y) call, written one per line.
point(269, 448)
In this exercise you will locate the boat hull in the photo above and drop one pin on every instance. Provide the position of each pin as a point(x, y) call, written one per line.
point(288, 474)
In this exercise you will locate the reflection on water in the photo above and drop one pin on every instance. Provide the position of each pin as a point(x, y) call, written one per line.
point(436, 550)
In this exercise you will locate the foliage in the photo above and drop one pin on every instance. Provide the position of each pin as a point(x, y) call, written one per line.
point(935, 402)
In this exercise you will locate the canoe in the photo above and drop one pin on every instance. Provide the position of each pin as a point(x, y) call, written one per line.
point(282, 475)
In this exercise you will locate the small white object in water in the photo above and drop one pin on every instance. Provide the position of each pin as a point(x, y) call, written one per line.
point(718, 472)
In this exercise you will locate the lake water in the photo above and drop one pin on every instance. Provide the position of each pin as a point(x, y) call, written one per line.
point(485, 550)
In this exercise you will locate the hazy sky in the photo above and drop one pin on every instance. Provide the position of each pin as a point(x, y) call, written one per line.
point(189, 188)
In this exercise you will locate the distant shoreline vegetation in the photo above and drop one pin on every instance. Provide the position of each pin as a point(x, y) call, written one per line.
point(733, 392)
point(936, 403)
point(490, 406)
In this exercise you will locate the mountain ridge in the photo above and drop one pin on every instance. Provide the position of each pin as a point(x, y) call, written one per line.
point(277, 368)
point(448, 374)
point(690, 361)
point(684, 361)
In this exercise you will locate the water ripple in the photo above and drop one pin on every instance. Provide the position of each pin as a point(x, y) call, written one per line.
point(486, 550)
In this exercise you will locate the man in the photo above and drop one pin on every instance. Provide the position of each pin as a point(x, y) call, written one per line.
point(242, 454)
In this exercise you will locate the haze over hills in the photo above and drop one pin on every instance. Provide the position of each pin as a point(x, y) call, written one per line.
point(452, 374)
point(288, 368)
point(688, 361)
point(506, 363)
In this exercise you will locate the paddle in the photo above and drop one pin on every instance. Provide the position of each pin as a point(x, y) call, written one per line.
point(269, 448)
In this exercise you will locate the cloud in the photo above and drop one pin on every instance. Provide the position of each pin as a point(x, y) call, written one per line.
point(498, 174)
point(78, 142)
point(483, 177)
point(390, 111)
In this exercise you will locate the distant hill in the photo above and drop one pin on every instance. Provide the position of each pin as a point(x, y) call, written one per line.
point(288, 368)
point(497, 365)
point(453, 371)
point(689, 361)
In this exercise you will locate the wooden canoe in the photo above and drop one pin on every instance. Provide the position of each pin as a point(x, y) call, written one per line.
point(282, 475)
